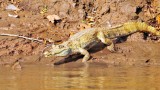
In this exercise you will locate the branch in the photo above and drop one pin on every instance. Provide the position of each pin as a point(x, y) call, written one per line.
point(13, 35)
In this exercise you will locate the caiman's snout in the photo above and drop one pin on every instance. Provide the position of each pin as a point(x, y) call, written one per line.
point(47, 54)
point(58, 50)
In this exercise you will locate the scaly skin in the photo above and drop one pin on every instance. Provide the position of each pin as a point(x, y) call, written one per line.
point(86, 39)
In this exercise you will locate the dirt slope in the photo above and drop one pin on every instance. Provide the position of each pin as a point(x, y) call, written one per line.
point(75, 15)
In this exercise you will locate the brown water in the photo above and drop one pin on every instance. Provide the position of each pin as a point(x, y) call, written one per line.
point(43, 77)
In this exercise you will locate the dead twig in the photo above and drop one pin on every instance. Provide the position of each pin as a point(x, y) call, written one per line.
point(32, 39)
point(13, 35)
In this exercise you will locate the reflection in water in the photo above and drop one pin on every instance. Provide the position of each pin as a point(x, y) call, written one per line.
point(39, 77)
point(66, 79)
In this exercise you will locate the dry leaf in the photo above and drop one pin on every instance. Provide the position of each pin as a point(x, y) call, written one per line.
point(83, 26)
point(13, 15)
point(158, 19)
point(90, 21)
point(44, 10)
point(71, 33)
point(53, 18)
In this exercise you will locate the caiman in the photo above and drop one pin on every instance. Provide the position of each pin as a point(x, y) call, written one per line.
point(86, 39)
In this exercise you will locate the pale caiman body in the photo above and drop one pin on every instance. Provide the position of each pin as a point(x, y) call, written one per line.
point(86, 39)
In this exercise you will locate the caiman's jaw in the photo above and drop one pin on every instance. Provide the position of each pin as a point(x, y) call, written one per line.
point(58, 50)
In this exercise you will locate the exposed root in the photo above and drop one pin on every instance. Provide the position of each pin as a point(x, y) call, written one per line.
point(13, 35)
point(32, 39)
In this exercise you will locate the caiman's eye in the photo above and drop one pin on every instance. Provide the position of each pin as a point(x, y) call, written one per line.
point(61, 46)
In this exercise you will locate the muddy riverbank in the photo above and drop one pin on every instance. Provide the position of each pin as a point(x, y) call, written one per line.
point(76, 15)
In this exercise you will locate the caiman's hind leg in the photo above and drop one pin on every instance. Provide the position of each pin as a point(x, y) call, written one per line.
point(85, 53)
point(108, 42)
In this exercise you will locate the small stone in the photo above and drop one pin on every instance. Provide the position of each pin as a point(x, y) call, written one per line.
point(12, 25)
point(105, 9)
point(13, 15)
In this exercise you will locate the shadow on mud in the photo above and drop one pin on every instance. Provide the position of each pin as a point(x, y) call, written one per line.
point(75, 57)
point(99, 47)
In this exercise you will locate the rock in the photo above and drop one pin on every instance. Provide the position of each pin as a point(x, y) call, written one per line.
point(127, 8)
point(81, 13)
point(12, 7)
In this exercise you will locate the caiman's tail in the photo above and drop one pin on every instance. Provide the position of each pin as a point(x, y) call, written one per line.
point(142, 27)
point(129, 28)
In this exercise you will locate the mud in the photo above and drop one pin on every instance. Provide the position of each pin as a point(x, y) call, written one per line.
point(136, 49)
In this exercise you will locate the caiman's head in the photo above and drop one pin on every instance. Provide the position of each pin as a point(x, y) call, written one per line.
point(58, 50)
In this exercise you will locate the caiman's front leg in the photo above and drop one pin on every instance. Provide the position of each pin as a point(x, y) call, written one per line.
point(110, 44)
point(110, 47)
point(85, 53)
